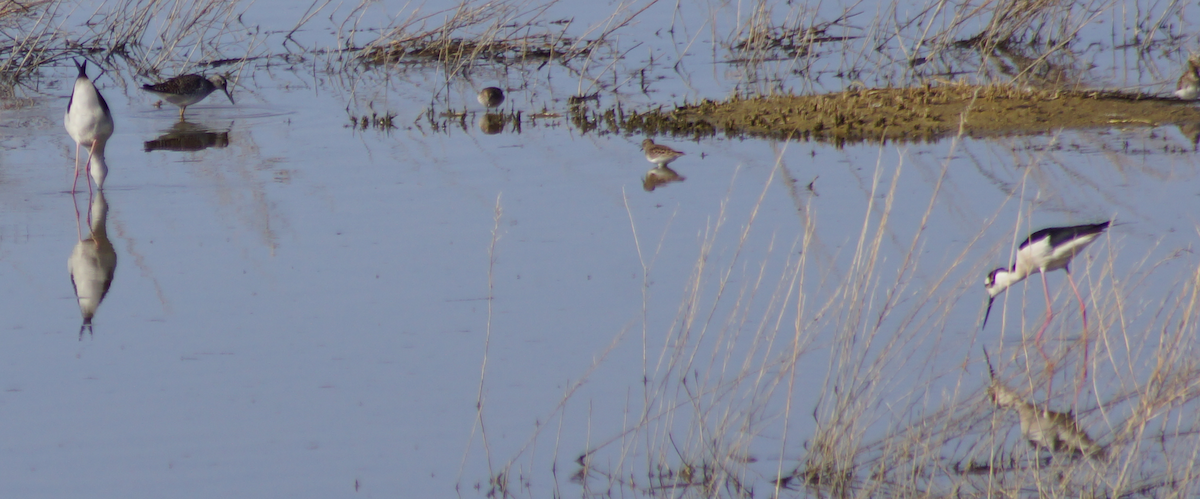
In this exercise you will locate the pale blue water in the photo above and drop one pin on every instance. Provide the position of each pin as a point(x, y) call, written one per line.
point(306, 308)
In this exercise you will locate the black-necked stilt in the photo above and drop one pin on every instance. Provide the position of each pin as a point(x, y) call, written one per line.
point(1044, 251)
point(491, 97)
point(1188, 87)
point(90, 123)
point(659, 154)
point(186, 90)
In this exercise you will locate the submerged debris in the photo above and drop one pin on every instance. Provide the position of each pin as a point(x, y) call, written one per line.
point(377, 121)
point(512, 50)
point(790, 41)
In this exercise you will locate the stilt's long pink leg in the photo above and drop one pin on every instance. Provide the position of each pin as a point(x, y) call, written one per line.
point(88, 167)
point(78, 228)
point(76, 181)
point(1083, 312)
point(1038, 338)
point(1049, 316)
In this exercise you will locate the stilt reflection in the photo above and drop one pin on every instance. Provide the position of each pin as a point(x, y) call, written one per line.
point(92, 263)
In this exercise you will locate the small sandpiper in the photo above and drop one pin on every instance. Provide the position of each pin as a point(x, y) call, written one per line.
point(659, 154)
point(1189, 84)
point(491, 97)
point(186, 90)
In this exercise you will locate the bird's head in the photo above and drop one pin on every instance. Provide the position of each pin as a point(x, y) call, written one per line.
point(994, 282)
point(222, 83)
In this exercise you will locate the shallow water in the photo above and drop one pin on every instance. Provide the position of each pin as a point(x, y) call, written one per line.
point(302, 308)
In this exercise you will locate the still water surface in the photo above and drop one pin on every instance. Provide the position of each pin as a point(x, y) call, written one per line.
point(300, 308)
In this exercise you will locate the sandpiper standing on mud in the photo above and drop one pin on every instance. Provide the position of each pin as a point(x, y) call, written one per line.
point(659, 154)
point(90, 123)
point(189, 89)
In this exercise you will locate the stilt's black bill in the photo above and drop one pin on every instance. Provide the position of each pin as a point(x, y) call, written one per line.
point(989, 311)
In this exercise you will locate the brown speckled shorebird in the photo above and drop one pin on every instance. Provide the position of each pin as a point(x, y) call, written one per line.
point(659, 154)
point(186, 90)
point(491, 97)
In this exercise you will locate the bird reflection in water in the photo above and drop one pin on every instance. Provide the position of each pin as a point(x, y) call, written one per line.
point(188, 137)
point(660, 175)
point(1192, 132)
point(492, 123)
point(92, 263)
point(1041, 427)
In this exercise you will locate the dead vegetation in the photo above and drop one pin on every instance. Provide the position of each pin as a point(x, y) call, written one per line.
point(381, 122)
point(798, 37)
point(425, 47)
point(147, 39)
point(496, 32)
point(899, 45)
point(26, 33)
point(1031, 22)
point(727, 408)
point(694, 436)
point(159, 38)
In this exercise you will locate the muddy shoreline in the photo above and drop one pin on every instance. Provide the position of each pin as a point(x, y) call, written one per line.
point(913, 114)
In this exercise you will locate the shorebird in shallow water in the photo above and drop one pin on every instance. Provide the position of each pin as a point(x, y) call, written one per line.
point(491, 97)
point(1044, 251)
point(90, 123)
point(186, 90)
point(1188, 87)
point(659, 154)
